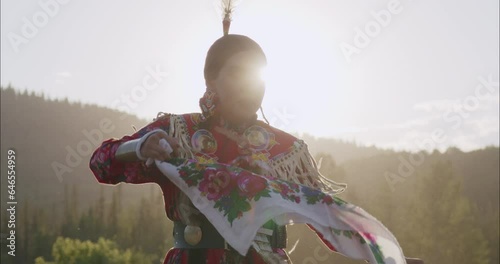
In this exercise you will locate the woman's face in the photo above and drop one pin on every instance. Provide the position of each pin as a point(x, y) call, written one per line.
point(239, 86)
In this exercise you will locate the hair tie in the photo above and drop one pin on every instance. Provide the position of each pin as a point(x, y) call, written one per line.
point(227, 13)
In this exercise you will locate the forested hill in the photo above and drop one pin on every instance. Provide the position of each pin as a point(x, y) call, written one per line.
point(415, 195)
point(48, 134)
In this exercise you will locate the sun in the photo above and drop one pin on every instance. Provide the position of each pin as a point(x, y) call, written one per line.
point(263, 74)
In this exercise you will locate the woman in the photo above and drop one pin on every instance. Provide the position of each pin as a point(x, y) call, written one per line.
point(226, 132)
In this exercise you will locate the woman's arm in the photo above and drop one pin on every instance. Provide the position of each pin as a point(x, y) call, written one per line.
point(110, 169)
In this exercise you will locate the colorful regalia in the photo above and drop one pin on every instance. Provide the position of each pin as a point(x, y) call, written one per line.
point(266, 176)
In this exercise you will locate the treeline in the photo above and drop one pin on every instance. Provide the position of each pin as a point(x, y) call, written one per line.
point(140, 233)
point(444, 209)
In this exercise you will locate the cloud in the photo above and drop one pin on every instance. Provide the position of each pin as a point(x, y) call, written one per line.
point(470, 102)
point(484, 126)
point(435, 105)
point(471, 131)
point(421, 122)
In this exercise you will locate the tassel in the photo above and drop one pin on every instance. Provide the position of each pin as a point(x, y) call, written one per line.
point(179, 131)
point(228, 7)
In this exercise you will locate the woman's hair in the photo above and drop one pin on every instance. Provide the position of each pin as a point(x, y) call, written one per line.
point(224, 48)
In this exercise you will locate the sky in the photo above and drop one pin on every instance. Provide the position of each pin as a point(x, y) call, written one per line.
point(402, 74)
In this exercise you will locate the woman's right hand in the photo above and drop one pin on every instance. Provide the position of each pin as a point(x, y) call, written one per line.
point(151, 147)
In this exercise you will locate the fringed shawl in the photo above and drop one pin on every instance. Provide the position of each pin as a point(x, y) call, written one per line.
point(294, 164)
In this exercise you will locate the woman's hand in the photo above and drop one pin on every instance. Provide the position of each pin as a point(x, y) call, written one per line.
point(151, 147)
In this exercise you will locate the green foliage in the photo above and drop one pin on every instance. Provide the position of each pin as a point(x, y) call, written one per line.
point(104, 251)
point(41, 260)
point(71, 251)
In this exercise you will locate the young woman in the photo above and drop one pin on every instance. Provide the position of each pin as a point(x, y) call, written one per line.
point(225, 132)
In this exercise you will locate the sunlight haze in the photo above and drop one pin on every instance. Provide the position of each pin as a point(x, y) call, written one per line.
point(430, 66)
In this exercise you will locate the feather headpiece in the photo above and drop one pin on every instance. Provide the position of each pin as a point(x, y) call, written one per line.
point(227, 7)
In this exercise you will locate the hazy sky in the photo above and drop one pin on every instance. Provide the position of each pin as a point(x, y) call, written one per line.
point(391, 73)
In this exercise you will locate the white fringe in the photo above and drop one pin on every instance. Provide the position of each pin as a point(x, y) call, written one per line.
point(299, 166)
point(179, 131)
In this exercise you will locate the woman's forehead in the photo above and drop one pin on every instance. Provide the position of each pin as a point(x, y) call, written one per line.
point(246, 59)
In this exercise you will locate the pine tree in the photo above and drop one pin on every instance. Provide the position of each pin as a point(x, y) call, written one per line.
point(113, 215)
point(26, 232)
point(99, 209)
point(70, 222)
point(41, 238)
